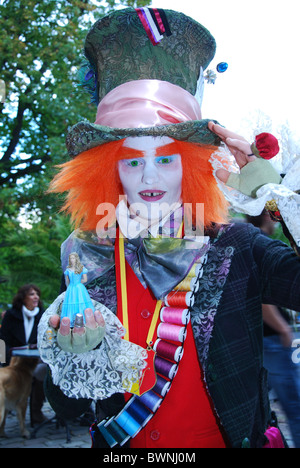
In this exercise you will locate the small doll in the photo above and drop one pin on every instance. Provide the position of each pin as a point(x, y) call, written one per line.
point(77, 298)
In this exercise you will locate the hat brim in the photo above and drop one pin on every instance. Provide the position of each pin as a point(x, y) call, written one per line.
point(84, 135)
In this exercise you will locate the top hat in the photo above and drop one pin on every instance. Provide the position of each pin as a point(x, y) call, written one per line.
point(143, 69)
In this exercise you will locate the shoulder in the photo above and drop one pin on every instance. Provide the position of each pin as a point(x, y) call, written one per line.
point(249, 241)
point(13, 313)
point(236, 234)
point(84, 270)
point(11, 319)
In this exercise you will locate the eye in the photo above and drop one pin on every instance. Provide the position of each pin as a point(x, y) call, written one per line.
point(133, 162)
point(165, 159)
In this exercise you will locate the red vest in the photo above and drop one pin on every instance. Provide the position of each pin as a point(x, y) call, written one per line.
point(186, 417)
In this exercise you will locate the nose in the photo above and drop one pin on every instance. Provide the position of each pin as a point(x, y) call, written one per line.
point(150, 173)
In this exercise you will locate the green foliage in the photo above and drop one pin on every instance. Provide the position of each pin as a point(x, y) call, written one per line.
point(41, 45)
point(33, 256)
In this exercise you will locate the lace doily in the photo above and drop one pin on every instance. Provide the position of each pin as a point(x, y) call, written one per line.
point(287, 200)
point(97, 374)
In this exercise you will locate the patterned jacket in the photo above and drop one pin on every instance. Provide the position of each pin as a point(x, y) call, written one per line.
point(244, 269)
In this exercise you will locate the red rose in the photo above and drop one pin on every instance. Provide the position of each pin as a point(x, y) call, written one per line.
point(267, 145)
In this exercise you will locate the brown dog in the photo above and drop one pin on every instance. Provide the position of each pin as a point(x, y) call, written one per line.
point(15, 388)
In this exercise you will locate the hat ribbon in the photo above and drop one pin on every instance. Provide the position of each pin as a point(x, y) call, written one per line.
point(147, 103)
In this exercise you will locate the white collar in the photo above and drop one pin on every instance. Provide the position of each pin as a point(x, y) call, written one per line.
point(134, 227)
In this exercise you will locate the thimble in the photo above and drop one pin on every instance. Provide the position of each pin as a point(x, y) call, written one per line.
point(78, 321)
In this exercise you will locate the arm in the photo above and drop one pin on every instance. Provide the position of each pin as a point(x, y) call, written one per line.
point(273, 318)
point(6, 335)
point(259, 184)
point(278, 268)
point(254, 171)
point(84, 278)
point(5, 331)
point(67, 280)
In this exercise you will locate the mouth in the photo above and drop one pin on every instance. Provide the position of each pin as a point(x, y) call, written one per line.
point(151, 195)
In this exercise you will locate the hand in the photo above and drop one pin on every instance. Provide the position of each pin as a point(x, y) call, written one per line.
point(236, 144)
point(254, 172)
point(286, 338)
point(79, 340)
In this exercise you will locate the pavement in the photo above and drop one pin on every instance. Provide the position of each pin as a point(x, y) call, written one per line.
point(53, 436)
point(50, 435)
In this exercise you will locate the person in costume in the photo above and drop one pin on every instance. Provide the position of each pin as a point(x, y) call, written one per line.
point(173, 354)
point(77, 298)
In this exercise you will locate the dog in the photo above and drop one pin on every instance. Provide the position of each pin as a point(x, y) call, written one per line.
point(15, 388)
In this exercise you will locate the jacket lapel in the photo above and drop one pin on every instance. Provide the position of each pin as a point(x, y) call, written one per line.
point(210, 291)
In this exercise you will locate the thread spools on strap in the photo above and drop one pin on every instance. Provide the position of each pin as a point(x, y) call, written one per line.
point(171, 333)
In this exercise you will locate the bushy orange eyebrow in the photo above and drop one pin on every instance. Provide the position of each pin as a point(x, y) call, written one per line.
point(130, 153)
point(166, 150)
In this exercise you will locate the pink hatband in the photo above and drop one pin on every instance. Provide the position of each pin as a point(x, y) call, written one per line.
point(147, 103)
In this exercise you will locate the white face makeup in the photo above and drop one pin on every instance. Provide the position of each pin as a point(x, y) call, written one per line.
point(151, 182)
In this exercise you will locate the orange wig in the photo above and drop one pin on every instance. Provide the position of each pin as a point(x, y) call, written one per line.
point(92, 179)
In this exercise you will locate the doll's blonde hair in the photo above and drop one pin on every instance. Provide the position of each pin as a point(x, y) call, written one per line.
point(78, 267)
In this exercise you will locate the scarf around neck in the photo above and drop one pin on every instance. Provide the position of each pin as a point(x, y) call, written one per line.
point(28, 316)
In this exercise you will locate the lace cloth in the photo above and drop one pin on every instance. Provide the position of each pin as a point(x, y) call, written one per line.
point(98, 374)
point(284, 194)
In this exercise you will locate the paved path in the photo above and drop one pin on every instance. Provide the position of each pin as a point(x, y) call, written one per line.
point(50, 436)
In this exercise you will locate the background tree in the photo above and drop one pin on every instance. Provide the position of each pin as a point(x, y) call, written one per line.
point(40, 53)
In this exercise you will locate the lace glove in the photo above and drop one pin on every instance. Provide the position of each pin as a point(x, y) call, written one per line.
point(99, 373)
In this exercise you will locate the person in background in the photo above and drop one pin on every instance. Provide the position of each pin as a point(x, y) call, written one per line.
point(278, 337)
point(19, 328)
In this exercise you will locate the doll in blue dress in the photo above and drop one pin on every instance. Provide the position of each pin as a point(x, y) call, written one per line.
point(76, 298)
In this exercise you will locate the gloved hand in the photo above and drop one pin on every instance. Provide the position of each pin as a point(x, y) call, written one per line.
point(253, 176)
point(79, 340)
point(254, 171)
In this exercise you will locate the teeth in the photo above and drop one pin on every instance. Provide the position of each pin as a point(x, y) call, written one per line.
point(151, 194)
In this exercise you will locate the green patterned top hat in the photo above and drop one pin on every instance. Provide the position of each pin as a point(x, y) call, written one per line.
point(144, 85)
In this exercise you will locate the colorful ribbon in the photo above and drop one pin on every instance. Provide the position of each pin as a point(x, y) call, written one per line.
point(155, 23)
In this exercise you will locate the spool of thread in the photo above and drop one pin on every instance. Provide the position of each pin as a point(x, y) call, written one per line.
point(151, 400)
point(168, 350)
point(166, 368)
point(139, 412)
point(179, 299)
point(188, 284)
point(128, 423)
point(162, 386)
point(115, 431)
point(110, 439)
point(175, 315)
point(171, 332)
point(194, 271)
